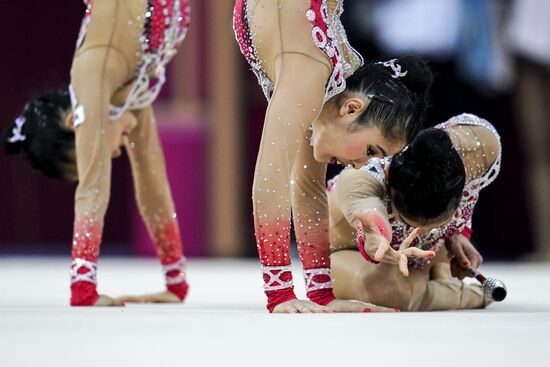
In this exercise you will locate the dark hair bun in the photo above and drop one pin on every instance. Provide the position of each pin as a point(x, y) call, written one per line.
point(430, 147)
point(48, 145)
point(397, 106)
point(419, 80)
point(427, 178)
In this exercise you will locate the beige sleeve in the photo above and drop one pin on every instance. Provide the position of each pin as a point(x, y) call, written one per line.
point(151, 185)
point(287, 178)
point(95, 74)
point(283, 155)
point(451, 294)
point(478, 147)
point(309, 203)
point(356, 190)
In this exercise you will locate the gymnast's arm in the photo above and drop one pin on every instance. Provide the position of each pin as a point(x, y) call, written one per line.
point(95, 74)
point(480, 150)
point(360, 200)
point(356, 191)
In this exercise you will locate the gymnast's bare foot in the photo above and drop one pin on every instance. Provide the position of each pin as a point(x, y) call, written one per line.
point(162, 297)
point(106, 301)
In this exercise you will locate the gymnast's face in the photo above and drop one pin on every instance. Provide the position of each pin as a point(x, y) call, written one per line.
point(336, 138)
point(425, 227)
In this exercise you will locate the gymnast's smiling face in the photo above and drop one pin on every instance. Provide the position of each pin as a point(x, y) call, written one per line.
point(337, 138)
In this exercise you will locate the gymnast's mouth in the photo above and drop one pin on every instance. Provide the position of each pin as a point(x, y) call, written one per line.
point(335, 160)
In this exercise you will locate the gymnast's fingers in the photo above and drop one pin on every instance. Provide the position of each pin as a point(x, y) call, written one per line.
point(472, 254)
point(456, 270)
point(382, 250)
point(410, 238)
point(374, 308)
point(416, 252)
point(403, 266)
point(460, 256)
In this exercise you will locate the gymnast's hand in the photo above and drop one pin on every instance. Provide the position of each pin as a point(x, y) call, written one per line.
point(463, 255)
point(383, 251)
point(162, 297)
point(300, 306)
point(345, 305)
point(106, 301)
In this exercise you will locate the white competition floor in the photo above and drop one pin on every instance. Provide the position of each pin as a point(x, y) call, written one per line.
point(224, 323)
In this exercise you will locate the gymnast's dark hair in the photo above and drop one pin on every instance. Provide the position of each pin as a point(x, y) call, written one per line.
point(48, 145)
point(397, 105)
point(427, 178)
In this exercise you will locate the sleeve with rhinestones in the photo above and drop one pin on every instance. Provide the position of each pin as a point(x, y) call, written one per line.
point(309, 202)
point(357, 191)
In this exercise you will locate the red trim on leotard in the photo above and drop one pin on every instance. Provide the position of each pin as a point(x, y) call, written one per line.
point(467, 232)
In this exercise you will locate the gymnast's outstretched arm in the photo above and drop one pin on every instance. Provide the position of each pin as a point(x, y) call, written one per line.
point(96, 73)
point(358, 195)
point(289, 114)
point(478, 144)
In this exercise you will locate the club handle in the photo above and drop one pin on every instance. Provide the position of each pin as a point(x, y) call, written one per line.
point(493, 289)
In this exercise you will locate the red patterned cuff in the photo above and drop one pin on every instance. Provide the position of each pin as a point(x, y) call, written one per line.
point(319, 285)
point(83, 294)
point(277, 297)
point(278, 285)
point(83, 282)
point(321, 296)
point(361, 246)
point(179, 290)
point(176, 281)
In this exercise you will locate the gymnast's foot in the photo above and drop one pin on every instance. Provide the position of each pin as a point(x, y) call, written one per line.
point(106, 301)
point(162, 297)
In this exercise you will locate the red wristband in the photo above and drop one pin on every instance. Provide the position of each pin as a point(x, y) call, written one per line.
point(277, 297)
point(467, 232)
point(361, 246)
point(179, 290)
point(321, 296)
point(83, 294)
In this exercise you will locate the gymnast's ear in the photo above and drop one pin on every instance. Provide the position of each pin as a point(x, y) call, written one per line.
point(353, 107)
point(69, 120)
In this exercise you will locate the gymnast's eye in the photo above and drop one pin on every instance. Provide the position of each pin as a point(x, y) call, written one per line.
point(370, 151)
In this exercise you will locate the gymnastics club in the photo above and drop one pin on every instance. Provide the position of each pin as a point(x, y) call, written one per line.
point(494, 289)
